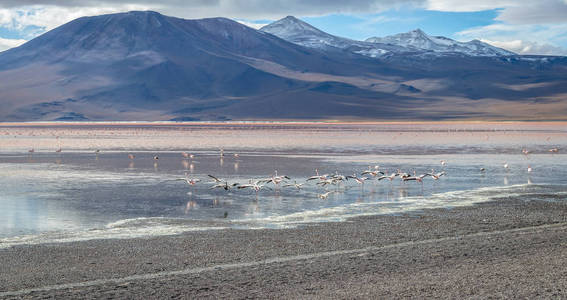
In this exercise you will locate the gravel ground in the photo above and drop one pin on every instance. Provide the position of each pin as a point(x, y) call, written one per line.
point(509, 248)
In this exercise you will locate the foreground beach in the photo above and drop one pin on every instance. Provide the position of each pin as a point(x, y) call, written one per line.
point(512, 247)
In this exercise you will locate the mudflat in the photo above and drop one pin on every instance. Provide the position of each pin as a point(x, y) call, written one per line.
point(512, 247)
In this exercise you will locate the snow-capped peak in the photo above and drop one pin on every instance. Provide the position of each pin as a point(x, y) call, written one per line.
point(416, 41)
point(291, 27)
point(419, 40)
point(298, 32)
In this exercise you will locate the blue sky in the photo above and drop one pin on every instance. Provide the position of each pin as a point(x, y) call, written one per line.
point(526, 27)
point(390, 22)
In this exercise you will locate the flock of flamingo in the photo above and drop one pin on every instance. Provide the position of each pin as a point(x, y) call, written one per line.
point(323, 180)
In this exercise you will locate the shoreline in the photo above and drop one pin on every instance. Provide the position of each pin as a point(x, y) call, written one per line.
point(278, 122)
point(524, 238)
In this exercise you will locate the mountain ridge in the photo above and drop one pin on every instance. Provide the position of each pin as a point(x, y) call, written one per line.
point(422, 41)
point(299, 32)
point(147, 66)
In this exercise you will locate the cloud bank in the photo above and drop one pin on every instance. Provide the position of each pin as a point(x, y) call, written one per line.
point(531, 27)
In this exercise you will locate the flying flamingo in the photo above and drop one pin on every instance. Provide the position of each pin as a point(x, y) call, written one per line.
point(256, 186)
point(325, 195)
point(295, 185)
point(434, 175)
point(359, 180)
point(318, 176)
point(390, 177)
point(221, 183)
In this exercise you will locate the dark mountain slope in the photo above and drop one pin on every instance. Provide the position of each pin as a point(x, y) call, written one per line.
point(146, 66)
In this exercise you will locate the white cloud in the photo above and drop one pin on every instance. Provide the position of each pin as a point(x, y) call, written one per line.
point(239, 9)
point(6, 44)
point(538, 24)
point(470, 6)
point(522, 39)
point(49, 17)
point(537, 12)
point(511, 11)
point(527, 47)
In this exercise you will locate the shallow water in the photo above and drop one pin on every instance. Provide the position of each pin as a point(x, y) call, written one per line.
point(77, 194)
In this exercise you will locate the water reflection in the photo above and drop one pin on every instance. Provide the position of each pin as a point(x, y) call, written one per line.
point(191, 205)
point(109, 194)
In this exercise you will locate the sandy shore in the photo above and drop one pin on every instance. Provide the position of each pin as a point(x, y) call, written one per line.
point(509, 248)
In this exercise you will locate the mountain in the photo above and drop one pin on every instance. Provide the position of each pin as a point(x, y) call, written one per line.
point(419, 40)
point(143, 65)
point(298, 32)
point(414, 42)
point(146, 66)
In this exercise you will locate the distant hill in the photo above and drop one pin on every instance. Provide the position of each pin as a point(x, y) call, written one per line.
point(146, 66)
point(414, 42)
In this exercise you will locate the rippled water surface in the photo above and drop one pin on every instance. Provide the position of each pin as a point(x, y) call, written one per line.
point(77, 194)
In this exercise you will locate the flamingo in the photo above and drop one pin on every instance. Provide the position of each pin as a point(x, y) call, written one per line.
point(317, 176)
point(190, 181)
point(131, 156)
point(359, 180)
point(256, 186)
point(374, 172)
point(434, 175)
point(275, 179)
point(420, 177)
point(553, 150)
point(221, 183)
point(295, 185)
point(416, 178)
point(327, 181)
point(390, 177)
point(402, 175)
point(529, 169)
point(340, 178)
point(325, 195)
